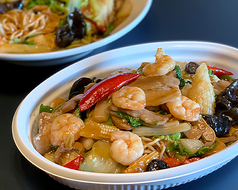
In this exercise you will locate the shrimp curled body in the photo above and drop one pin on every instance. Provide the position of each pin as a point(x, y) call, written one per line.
point(162, 65)
point(132, 98)
point(126, 147)
point(184, 108)
point(62, 126)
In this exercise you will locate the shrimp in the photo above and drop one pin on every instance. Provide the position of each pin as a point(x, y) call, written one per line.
point(162, 65)
point(132, 98)
point(62, 126)
point(184, 108)
point(126, 147)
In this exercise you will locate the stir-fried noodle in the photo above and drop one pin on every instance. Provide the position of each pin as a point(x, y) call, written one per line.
point(24, 23)
point(155, 144)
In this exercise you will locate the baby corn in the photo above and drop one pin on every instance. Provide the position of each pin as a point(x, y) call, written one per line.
point(96, 130)
point(141, 163)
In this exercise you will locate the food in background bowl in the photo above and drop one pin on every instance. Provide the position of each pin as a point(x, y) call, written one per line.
point(162, 114)
point(33, 26)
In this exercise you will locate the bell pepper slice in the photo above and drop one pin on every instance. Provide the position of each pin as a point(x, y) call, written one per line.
point(104, 88)
point(172, 162)
point(218, 71)
point(75, 163)
point(189, 160)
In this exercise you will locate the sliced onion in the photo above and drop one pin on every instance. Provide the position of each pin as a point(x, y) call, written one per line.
point(147, 131)
point(192, 145)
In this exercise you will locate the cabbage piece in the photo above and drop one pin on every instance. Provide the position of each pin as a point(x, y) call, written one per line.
point(98, 12)
point(98, 159)
point(192, 145)
point(71, 4)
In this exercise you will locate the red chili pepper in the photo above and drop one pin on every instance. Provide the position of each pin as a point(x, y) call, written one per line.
point(172, 162)
point(104, 88)
point(219, 72)
point(189, 160)
point(75, 164)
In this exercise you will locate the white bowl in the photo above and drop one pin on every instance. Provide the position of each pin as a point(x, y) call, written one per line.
point(138, 12)
point(24, 128)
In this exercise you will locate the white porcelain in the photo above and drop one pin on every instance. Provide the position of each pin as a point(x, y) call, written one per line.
point(138, 12)
point(24, 128)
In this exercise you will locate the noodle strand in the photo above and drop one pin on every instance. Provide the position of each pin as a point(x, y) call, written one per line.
point(25, 23)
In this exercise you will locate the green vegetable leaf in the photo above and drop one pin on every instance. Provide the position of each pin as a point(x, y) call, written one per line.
point(155, 123)
point(54, 147)
point(140, 71)
point(44, 108)
point(78, 113)
point(210, 72)
point(57, 107)
point(203, 150)
point(19, 41)
point(33, 3)
point(179, 76)
point(175, 136)
point(227, 77)
point(162, 112)
point(134, 122)
point(55, 5)
point(173, 139)
point(172, 147)
point(109, 122)
point(109, 30)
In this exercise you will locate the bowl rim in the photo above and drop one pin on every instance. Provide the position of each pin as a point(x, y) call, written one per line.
point(28, 151)
point(119, 32)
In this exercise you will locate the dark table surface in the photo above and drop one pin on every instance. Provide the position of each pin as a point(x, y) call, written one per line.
point(167, 20)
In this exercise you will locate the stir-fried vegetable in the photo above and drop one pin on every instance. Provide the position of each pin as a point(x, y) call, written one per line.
point(130, 122)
